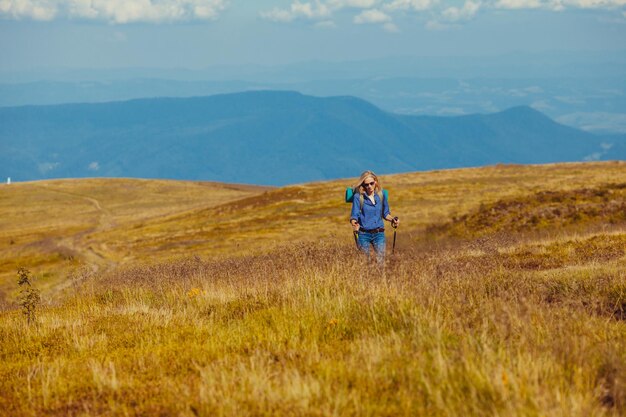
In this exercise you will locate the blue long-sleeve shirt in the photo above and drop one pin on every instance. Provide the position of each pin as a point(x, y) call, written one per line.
point(372, 216)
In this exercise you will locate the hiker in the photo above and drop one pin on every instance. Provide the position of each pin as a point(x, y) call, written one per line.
point(367, 221)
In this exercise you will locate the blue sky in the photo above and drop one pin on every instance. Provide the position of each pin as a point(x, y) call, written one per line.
point(201, 33)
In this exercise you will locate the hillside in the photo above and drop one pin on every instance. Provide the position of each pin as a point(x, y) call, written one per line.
point(47, 225)
point(52, 226)
point(234, 137)
point(506, 296)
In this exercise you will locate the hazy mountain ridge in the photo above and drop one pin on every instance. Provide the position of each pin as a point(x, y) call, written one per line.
point(273, 137)
point(593, 104)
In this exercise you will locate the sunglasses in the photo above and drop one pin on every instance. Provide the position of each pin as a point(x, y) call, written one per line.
point(369, 184)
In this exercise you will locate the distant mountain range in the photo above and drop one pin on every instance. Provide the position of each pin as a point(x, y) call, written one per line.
point(592, 104)
point(274, 138)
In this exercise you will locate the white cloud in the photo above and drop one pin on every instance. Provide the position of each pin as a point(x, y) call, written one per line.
point(155, 11)
point(555, 5)
point(309, 10)
point(315, 10)
point(375, 16)
point(440, 14)
point(324, 10)
point(467, 12)
point(356, 4)
point(36, 10)
point(371, 16)
point(558, 5)
point(518, 4)
point(94, 166)
point(594, 4)
point(451, 17)
point(114, 11)
point(417, 5)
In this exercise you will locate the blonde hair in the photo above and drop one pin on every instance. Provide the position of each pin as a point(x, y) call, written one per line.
point(360, 189)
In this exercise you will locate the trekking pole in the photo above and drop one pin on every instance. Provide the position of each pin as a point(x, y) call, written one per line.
point(356, 238)
point(393, 249)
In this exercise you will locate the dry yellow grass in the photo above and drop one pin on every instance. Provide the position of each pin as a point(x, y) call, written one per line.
point(309, 331)
point(268, 310)
point(50, 222)
point(47, 225)
point(314, 211)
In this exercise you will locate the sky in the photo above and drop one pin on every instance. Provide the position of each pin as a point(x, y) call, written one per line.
point(197, 34)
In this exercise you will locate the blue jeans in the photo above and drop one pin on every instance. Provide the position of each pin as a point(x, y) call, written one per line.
point(377, 240)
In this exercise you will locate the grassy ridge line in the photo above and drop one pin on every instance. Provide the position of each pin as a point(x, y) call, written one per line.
point(310, 331)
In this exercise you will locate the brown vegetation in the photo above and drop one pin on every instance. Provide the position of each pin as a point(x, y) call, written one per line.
point(604, 204)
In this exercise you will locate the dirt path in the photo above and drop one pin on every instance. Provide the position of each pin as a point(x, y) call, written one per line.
point(96, 257)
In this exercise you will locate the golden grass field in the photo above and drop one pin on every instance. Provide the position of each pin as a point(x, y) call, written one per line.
point(506, 297)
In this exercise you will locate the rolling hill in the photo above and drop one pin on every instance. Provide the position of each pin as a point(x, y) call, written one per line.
point(54, 225)
point(505, 296)
point(273, 138)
